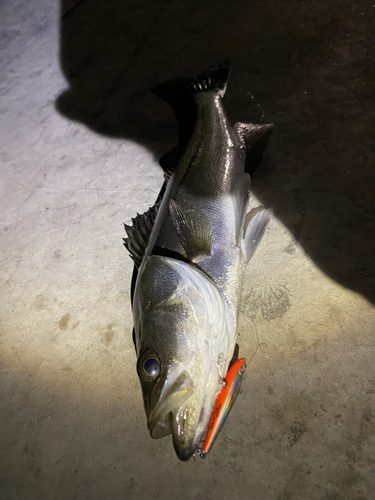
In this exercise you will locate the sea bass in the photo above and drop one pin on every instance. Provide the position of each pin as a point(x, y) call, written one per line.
point(190, 252)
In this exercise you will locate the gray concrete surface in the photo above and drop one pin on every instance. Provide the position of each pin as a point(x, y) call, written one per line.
point(80, 137)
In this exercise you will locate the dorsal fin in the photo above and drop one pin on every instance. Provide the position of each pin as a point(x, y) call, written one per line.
point(139, 233)
point(254, 138)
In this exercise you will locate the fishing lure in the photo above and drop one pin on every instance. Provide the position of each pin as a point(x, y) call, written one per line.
point(224, 404)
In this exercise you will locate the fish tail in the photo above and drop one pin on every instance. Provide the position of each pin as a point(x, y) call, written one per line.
point(214, 79)
point(181, 95)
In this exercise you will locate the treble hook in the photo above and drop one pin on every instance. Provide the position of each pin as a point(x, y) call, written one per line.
point(221, 378)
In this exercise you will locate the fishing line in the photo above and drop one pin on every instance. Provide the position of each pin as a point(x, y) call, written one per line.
point(258, 105)
point(262, 346)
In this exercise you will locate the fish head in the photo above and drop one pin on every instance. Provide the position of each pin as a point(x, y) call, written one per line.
point(181, 334)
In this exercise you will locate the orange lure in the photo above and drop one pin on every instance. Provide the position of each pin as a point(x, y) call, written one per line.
point(224, 404)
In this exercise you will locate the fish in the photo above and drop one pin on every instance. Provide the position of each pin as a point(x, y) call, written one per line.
point(190, 252)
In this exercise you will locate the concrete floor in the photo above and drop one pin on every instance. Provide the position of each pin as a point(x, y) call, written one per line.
point(80, 137)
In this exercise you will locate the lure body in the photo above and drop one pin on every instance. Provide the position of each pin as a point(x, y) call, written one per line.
point(224, 404)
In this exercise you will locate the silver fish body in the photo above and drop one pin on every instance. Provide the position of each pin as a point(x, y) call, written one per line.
point(191, 251)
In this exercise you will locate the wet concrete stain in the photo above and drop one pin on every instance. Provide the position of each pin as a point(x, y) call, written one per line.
point(270, 391)
point(67, 368)
point(291, 248)
point(108, 334)
point(64, 321)
point(272, 302)
point(39, 302)
point(296, 432)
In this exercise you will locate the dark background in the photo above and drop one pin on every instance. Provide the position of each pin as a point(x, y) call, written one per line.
point(308, 66)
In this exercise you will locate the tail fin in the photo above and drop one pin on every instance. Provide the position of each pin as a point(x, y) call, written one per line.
point(180, 95)
point(213, 79)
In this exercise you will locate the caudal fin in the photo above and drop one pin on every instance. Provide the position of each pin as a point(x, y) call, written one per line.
point(181, 94)
point(214, 79)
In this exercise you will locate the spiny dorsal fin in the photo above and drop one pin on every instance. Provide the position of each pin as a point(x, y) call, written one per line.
point(254, 138)
point(139, 234)
point(193, 229)
point(256, 220)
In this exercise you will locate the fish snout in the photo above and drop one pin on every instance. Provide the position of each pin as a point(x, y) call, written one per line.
point(176, 390)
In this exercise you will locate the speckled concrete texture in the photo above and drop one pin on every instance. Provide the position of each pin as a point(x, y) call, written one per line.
point(80, 137)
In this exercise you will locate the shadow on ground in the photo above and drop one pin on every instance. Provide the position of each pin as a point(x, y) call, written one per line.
point(295, 432)
point(310, 67)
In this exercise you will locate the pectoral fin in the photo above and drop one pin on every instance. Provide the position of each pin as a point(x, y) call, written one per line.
point(193, 229)
point(256, 220)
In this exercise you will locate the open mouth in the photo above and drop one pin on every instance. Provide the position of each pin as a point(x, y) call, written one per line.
point(186, 438)
point(174, 413)
point(171, 415)
point(175, 393)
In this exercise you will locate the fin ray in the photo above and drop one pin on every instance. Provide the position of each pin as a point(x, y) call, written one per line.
point(254, 138)
point(139, 234)
point(193, 229)
point(258, 219)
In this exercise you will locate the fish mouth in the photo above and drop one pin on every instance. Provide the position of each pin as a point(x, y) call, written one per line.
point(184, 446)
point(176, 391)
point(171, 414)
point(173, 422)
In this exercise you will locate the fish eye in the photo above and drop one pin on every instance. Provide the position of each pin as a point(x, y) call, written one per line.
point(148, 366)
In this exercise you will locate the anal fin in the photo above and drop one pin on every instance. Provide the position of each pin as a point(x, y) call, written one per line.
point(256, 220)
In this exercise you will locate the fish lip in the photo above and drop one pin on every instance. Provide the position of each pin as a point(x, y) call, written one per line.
point(184, 453)
point(185, 449)
point(169, 403)
point(169, 413)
